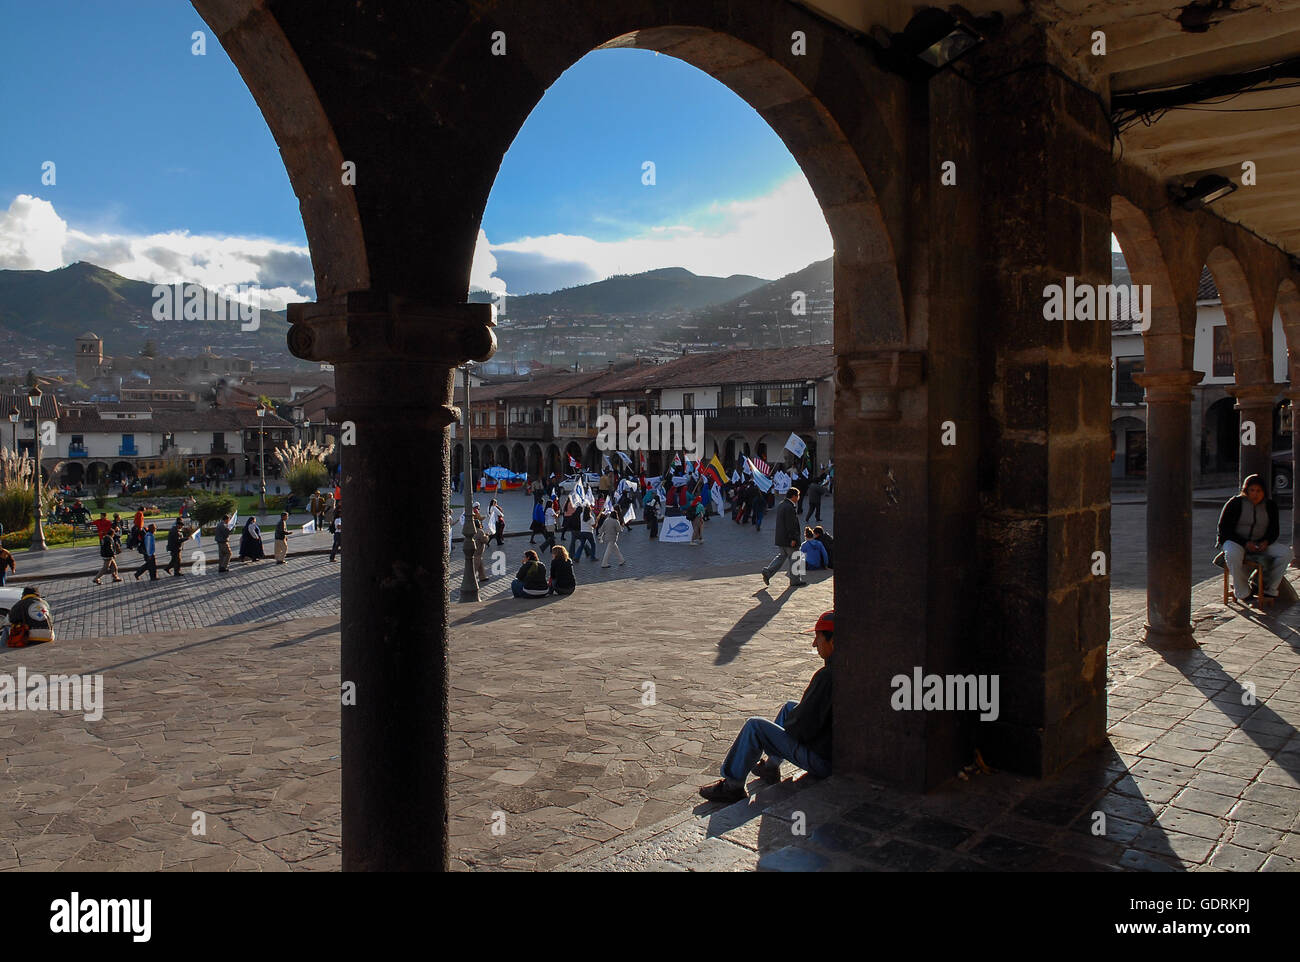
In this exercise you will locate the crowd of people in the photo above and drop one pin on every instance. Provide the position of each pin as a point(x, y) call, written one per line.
point(578, 513)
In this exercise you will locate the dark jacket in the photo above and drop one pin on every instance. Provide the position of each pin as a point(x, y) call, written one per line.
point(828, 543)
point(533, 576)
point(810, 722)
point(815, 492)
point(174, 540)
point(1231, 514)
point(789, 532)
point(562, 579)
point(281, 531)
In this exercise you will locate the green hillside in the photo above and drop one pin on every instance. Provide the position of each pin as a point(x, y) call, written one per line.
point(55, 307)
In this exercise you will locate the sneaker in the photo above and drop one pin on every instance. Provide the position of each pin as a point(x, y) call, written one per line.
point(94, 581)
point(769, 771)
point(723, 792)
point(767, 578)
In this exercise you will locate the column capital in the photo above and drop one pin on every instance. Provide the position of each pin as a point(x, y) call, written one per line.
point(1254, 395)
point(378, 326)
point(1168, 386)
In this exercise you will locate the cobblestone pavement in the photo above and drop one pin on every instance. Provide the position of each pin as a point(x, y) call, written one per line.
point(237, 716)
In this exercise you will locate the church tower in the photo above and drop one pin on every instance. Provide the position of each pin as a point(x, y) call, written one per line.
point(90, 356)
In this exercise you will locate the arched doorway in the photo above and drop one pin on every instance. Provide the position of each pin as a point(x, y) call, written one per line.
point(1220, 438)
point(74, 473)
point(518, 460)
point(572, 450)
point(1129, 442)
point(534, 460)
point(123, 471)
point(503, 455)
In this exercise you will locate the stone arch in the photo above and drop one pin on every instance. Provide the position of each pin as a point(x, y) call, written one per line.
point(572, 449)
point(287, 96)
point(1252, 351)
point(535, 460)
point(552, 459)
point(73, 473)
point(851, 148)
point(592, 458)
point(1288, 305)
point(457, 460)
point(518, 459)
point(1169, 343)
point(503, 456)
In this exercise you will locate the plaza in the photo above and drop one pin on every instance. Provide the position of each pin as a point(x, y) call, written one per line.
point(221, 697)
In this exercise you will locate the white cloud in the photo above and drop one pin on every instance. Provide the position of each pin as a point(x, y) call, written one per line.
point(769, 236)
point(34, 237)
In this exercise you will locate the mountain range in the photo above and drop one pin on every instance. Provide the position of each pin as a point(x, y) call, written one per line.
point(42, 313)
point(657, 312)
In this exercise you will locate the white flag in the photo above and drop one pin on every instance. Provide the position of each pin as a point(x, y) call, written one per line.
point(309, 527)
point(630, 515)
point(195, 538)
point(234, 520)
point(715, 494)
point(796, 445)
point(676, 529)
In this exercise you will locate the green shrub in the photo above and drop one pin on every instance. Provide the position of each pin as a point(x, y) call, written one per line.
point(209, 509)
point(277, 503)
point(15, 507)
point(173, 474)
point(307, 477)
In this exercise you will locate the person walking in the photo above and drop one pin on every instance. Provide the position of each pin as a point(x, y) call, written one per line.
point(653, 514)
point(282, 538)
point(539, 519)
point(496, 521)
point(696, 514)
point(336, 528)
point(109, 554)
point(608, 531)
point(175, 539)
point(787, 539)
point(148, 548)
point(222, 537)
point(7, 564)
point(551, 516)
point(758, 508)
point(815, 492)
point(250, 542)
point(586, 535)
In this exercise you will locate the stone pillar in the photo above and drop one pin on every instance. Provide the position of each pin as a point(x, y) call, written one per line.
point(1044, 614)
point(1255, 404)
point(394, 362)
point(1294, 397)
point(1169, 507)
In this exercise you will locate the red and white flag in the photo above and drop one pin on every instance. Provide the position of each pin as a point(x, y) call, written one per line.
point(761, 465)
point(573, 463)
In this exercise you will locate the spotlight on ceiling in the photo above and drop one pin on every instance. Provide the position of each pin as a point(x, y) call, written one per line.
point(932, 40)
point(1205, 191)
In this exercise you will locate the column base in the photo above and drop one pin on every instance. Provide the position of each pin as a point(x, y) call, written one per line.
point(1170, 639)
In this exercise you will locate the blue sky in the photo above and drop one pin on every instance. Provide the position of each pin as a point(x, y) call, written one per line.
point(166, 170)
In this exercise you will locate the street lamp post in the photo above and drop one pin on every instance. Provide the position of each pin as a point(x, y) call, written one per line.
point(468, 581)
point(261, 454)
point(14, 417)
point(38, 533)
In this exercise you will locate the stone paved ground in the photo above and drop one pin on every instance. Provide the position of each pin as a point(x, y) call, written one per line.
point(234, 712)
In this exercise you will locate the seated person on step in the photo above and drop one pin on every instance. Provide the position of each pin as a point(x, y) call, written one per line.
point(800, 734)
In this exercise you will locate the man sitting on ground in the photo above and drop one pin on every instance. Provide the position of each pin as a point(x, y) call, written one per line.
point(1249, 525)
point(800, 734)
point(532, 580)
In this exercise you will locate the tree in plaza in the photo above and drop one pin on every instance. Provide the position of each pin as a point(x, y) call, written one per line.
point(150, 349)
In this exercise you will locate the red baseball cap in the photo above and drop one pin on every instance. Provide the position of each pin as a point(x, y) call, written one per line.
point(825, 623)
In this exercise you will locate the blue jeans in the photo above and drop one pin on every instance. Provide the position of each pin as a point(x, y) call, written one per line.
point(759, 735)
point(517, 589)
point(586, 541)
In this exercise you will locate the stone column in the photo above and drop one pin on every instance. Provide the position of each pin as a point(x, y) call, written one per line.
point(394, 361)
point(1255, 404)
point(1044, 618)
point(1294, 397)
point(1169, 507)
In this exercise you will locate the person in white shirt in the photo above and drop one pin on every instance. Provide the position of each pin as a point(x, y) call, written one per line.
point(551, 519)
point(611, 528)
point(496, 521)
point(586, 534)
